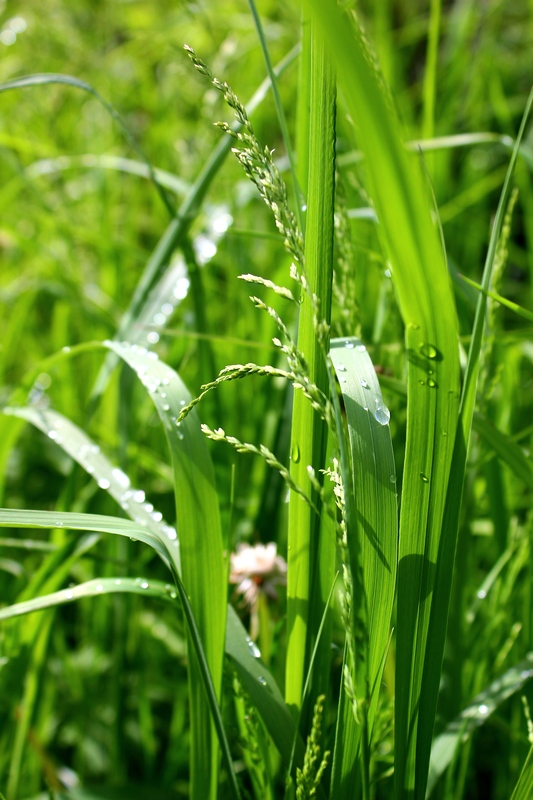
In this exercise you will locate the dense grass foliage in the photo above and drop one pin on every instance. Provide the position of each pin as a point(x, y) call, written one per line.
point(265, 465)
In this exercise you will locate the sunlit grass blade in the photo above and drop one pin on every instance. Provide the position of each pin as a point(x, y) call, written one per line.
point(311, 552)
point(374, 490)
point(15, 518)
point(92, 588)
point(374, 485)
point(477, 712)
point(110, 478)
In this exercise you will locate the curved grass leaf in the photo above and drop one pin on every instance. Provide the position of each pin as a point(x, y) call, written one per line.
point(476, 714)
point(111, 479)
point(522, 312)
point(200, 535)
point(15, 518)
point(51, 166)
point(92, 588)
point(374, 488)
point(44, 79)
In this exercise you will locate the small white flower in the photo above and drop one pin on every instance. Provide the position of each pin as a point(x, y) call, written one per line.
point(257, 570)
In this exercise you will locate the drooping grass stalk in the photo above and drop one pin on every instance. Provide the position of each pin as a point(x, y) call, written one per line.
point(280, 112)
point(309, 433)
point(178, 229)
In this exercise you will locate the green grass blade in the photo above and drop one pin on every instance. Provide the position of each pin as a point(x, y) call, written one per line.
point(374, 490)
point(430, 75)
point(446, 555)
point(426, 302)
point(51, 166)
point(15, 518)
point(200, 535)
point(374, 486)
point(92, 588)
point(524, 788)
point(522, 312)
point(505, 448)
point(110, 478)
point(162, 591)
point(476, 714)
point(263, 690)
point(309, 432)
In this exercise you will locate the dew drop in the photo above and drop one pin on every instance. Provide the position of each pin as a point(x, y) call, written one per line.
point(349, 345)
point(483, 710)
point(295, 454)
point(148, 507)
point(99, 587)
point(69, 595)
point(103, 483)
point(363, 383)
point(392, 478)
point(262, 680)
point(341, 368)
point(139, 496)
point(424, 477)
point(382, 414)
point(157, 516)
point(144, 585)
point(253, 648)
point(361, 348)
point(482, 594)
point(431, 383)
point(53, 435)
point(421, 382)
point(118, 582)
point(170, 531)
point(166, 407)
point(428, 350)
point(121, 478)
point(65, 349)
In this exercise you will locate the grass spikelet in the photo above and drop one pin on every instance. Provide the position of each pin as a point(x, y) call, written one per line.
point(315, 762)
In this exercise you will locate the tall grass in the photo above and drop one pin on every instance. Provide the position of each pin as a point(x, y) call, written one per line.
point(368, 410)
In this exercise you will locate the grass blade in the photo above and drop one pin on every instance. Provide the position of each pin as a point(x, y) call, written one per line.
point(374, 489)
point(476, 714)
